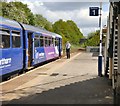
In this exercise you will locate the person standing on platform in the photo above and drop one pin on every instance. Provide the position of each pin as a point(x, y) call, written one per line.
point(68, 45)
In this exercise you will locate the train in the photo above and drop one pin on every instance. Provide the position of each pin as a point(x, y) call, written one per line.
point(24, 46)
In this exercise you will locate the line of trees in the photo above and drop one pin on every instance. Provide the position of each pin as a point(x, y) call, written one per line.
point(93, 39)
point(21, 13)
point(67, 29)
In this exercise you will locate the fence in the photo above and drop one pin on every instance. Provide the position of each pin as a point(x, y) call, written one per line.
point(94, 50)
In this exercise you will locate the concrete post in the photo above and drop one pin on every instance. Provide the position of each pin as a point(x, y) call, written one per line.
point(118, 77)
point(110, 25)
point(110, 72)
point(106, 58)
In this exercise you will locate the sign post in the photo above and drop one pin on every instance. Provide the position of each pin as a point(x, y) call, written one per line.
point(100, 49)
point(94, 11)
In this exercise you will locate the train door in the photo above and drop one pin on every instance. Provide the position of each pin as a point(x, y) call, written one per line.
point(60, 47)
point(30, 49)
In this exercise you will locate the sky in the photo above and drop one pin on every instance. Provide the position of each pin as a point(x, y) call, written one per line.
point(76, 10)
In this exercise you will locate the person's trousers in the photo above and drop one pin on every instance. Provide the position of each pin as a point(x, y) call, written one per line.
point(68, 53)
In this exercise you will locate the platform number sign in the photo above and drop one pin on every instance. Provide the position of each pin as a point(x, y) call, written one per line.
point(94, 11)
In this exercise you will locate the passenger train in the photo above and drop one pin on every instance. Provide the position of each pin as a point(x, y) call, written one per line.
point(23, 46)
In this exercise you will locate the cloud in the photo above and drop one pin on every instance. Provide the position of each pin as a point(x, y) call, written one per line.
point(78, 12)
point(86, 30)
point(68, 6)
point(63, 0)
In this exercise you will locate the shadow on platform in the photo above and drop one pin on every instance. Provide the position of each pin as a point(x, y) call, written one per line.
point(93, 91)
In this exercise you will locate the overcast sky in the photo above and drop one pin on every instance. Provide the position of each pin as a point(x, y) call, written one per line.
point(53, 10)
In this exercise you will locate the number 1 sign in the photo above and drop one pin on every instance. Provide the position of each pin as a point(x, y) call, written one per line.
point(94, 11)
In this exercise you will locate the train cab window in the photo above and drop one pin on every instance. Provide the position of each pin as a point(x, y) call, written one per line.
point(4, 38)
point(16, 40)
point(41, 41)
point(36, 40)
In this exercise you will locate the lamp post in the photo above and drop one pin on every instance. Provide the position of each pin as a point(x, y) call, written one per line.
point(100, 48)
point(94, 12)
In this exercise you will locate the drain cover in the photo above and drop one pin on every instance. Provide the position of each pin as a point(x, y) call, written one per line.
point(42, 73)
point(64, 74)
point(54, 74)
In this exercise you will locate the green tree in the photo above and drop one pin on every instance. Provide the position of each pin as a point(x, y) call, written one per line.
point(42, 22)
point(21, 13)
point(93, 39)
point(68, 30)
point(17, 11)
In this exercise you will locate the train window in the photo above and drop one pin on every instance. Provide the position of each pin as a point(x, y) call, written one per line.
point(46, 41)
point(53, 41)
point(16, 40)
point(56, 42)
point(4, 38)
point(49, 41)
point(36, 41)
point(41, 41)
